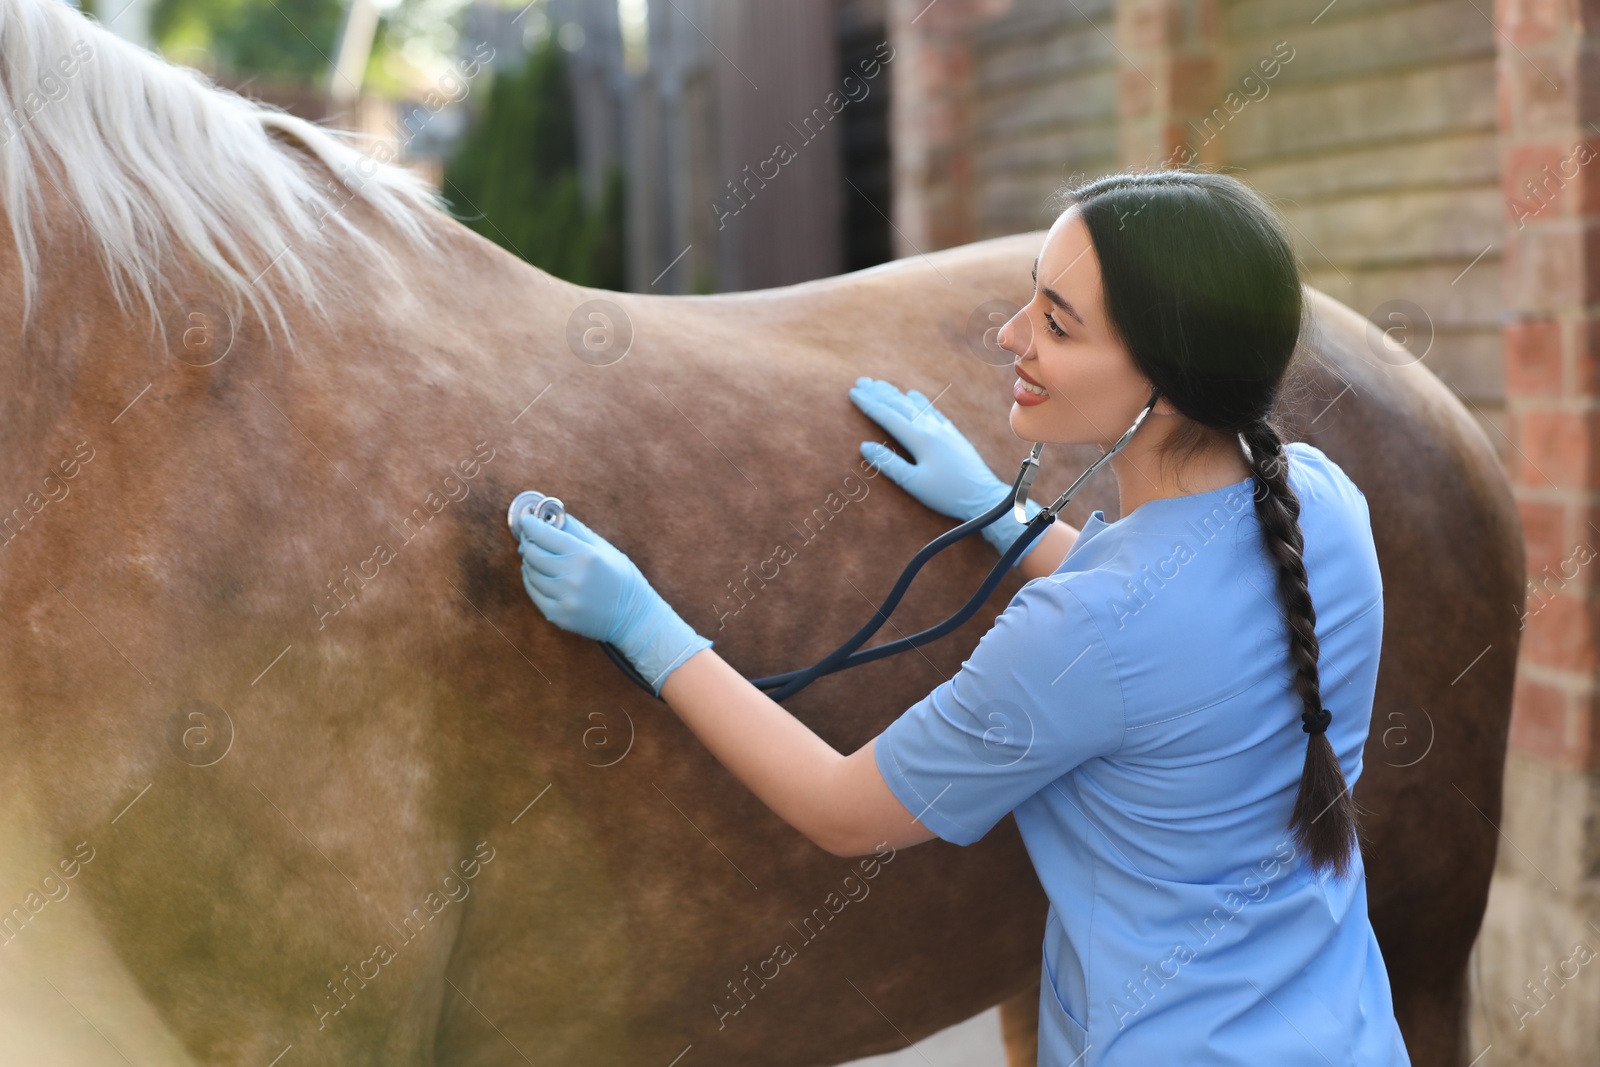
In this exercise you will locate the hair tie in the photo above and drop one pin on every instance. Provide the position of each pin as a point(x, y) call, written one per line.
point(1316, 723)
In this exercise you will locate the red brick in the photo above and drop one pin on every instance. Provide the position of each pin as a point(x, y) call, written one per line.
point(1549, 179)
point(1541, 264)
point(1533, 355)
point(1135, 96)
point(1556, 447)
point(1583, 377)
point(1539, 720)
point(1544, 535)
point(1552, 264)
point(1541, 84)
point(1538, 181)
point(1192, 84)
point(1558, 627)
point(1528, 22)
point(1583, 162)
point(1144, 24)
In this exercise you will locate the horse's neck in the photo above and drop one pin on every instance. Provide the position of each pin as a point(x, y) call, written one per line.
point(54, 386)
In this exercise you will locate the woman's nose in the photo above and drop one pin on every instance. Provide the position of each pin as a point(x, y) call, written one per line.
point(1012, 335)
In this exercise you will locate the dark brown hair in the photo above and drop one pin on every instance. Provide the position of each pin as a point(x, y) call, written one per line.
point(1202, 284)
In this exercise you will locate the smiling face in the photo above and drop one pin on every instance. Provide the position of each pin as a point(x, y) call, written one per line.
point(1065, 345)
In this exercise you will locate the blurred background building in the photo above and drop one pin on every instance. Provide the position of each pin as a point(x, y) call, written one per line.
point(754, 149)
point(1429, 155)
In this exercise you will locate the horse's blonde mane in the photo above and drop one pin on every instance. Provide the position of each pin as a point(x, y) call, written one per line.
point(161, 166)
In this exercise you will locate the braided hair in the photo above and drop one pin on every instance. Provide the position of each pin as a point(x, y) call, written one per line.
point(1201, 283)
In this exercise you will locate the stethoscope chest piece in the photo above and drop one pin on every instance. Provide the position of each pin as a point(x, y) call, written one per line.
point(547, 508)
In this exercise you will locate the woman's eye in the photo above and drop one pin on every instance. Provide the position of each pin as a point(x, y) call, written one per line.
point(1055, 328)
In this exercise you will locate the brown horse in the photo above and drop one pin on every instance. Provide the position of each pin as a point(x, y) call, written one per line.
point(296, 774)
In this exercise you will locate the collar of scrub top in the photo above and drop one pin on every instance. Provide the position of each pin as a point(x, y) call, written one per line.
point(850, 654)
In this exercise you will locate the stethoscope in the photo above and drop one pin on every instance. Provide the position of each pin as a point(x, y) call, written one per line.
point(782, 686)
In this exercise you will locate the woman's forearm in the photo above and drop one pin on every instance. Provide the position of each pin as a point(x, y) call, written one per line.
point(1048, 552)
point(774, 754)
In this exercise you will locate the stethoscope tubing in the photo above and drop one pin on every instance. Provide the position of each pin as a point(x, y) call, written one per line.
point(847, 654)
point(850, 654)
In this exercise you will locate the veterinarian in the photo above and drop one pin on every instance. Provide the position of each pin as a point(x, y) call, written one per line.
point(1173, 706)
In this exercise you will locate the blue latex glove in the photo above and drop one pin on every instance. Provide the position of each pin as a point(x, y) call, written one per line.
point(582, 583)
point(948, 476)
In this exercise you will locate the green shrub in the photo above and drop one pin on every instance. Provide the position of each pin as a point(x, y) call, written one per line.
point(515, 178)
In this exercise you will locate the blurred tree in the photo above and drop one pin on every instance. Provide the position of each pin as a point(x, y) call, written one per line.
point(287, 41)
point(515, 178)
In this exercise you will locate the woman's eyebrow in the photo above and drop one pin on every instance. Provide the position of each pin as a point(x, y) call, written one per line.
point(1055, 297)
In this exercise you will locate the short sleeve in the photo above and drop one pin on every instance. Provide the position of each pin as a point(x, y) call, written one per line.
point(1037, 697)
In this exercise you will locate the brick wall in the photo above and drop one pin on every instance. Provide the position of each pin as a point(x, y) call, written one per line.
point(1541, 907)
point(1379, 141)
point(1441, 152)
point(1045, 109)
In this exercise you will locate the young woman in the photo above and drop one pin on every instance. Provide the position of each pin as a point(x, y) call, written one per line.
point(1178, 767)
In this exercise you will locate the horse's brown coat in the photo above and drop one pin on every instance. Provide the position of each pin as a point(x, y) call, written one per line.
point(402, 739)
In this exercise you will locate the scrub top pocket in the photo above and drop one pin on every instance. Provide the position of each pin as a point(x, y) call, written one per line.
point(1062, 1041)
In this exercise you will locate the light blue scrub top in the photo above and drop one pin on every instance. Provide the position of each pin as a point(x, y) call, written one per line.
point(1135, 711)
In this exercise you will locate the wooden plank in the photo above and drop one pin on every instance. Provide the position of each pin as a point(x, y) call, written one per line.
point(1023, 204)
point(1037, 61)
point(1409, 106)
point(1089, 98)
point(1471, 158)
point(1029, 18)
point(1050, 150)
point(1398, 227)
point(1399, 38)
point(1242, 18)
point(1472, 363)
point(1451, 300)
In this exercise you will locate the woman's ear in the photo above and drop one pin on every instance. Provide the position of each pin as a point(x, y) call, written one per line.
point(1163, 407)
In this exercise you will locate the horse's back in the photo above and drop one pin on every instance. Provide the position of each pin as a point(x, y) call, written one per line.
point(348, 791)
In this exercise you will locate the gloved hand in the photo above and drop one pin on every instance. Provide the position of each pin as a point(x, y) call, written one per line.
point(582, 583)
point(948, 476)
